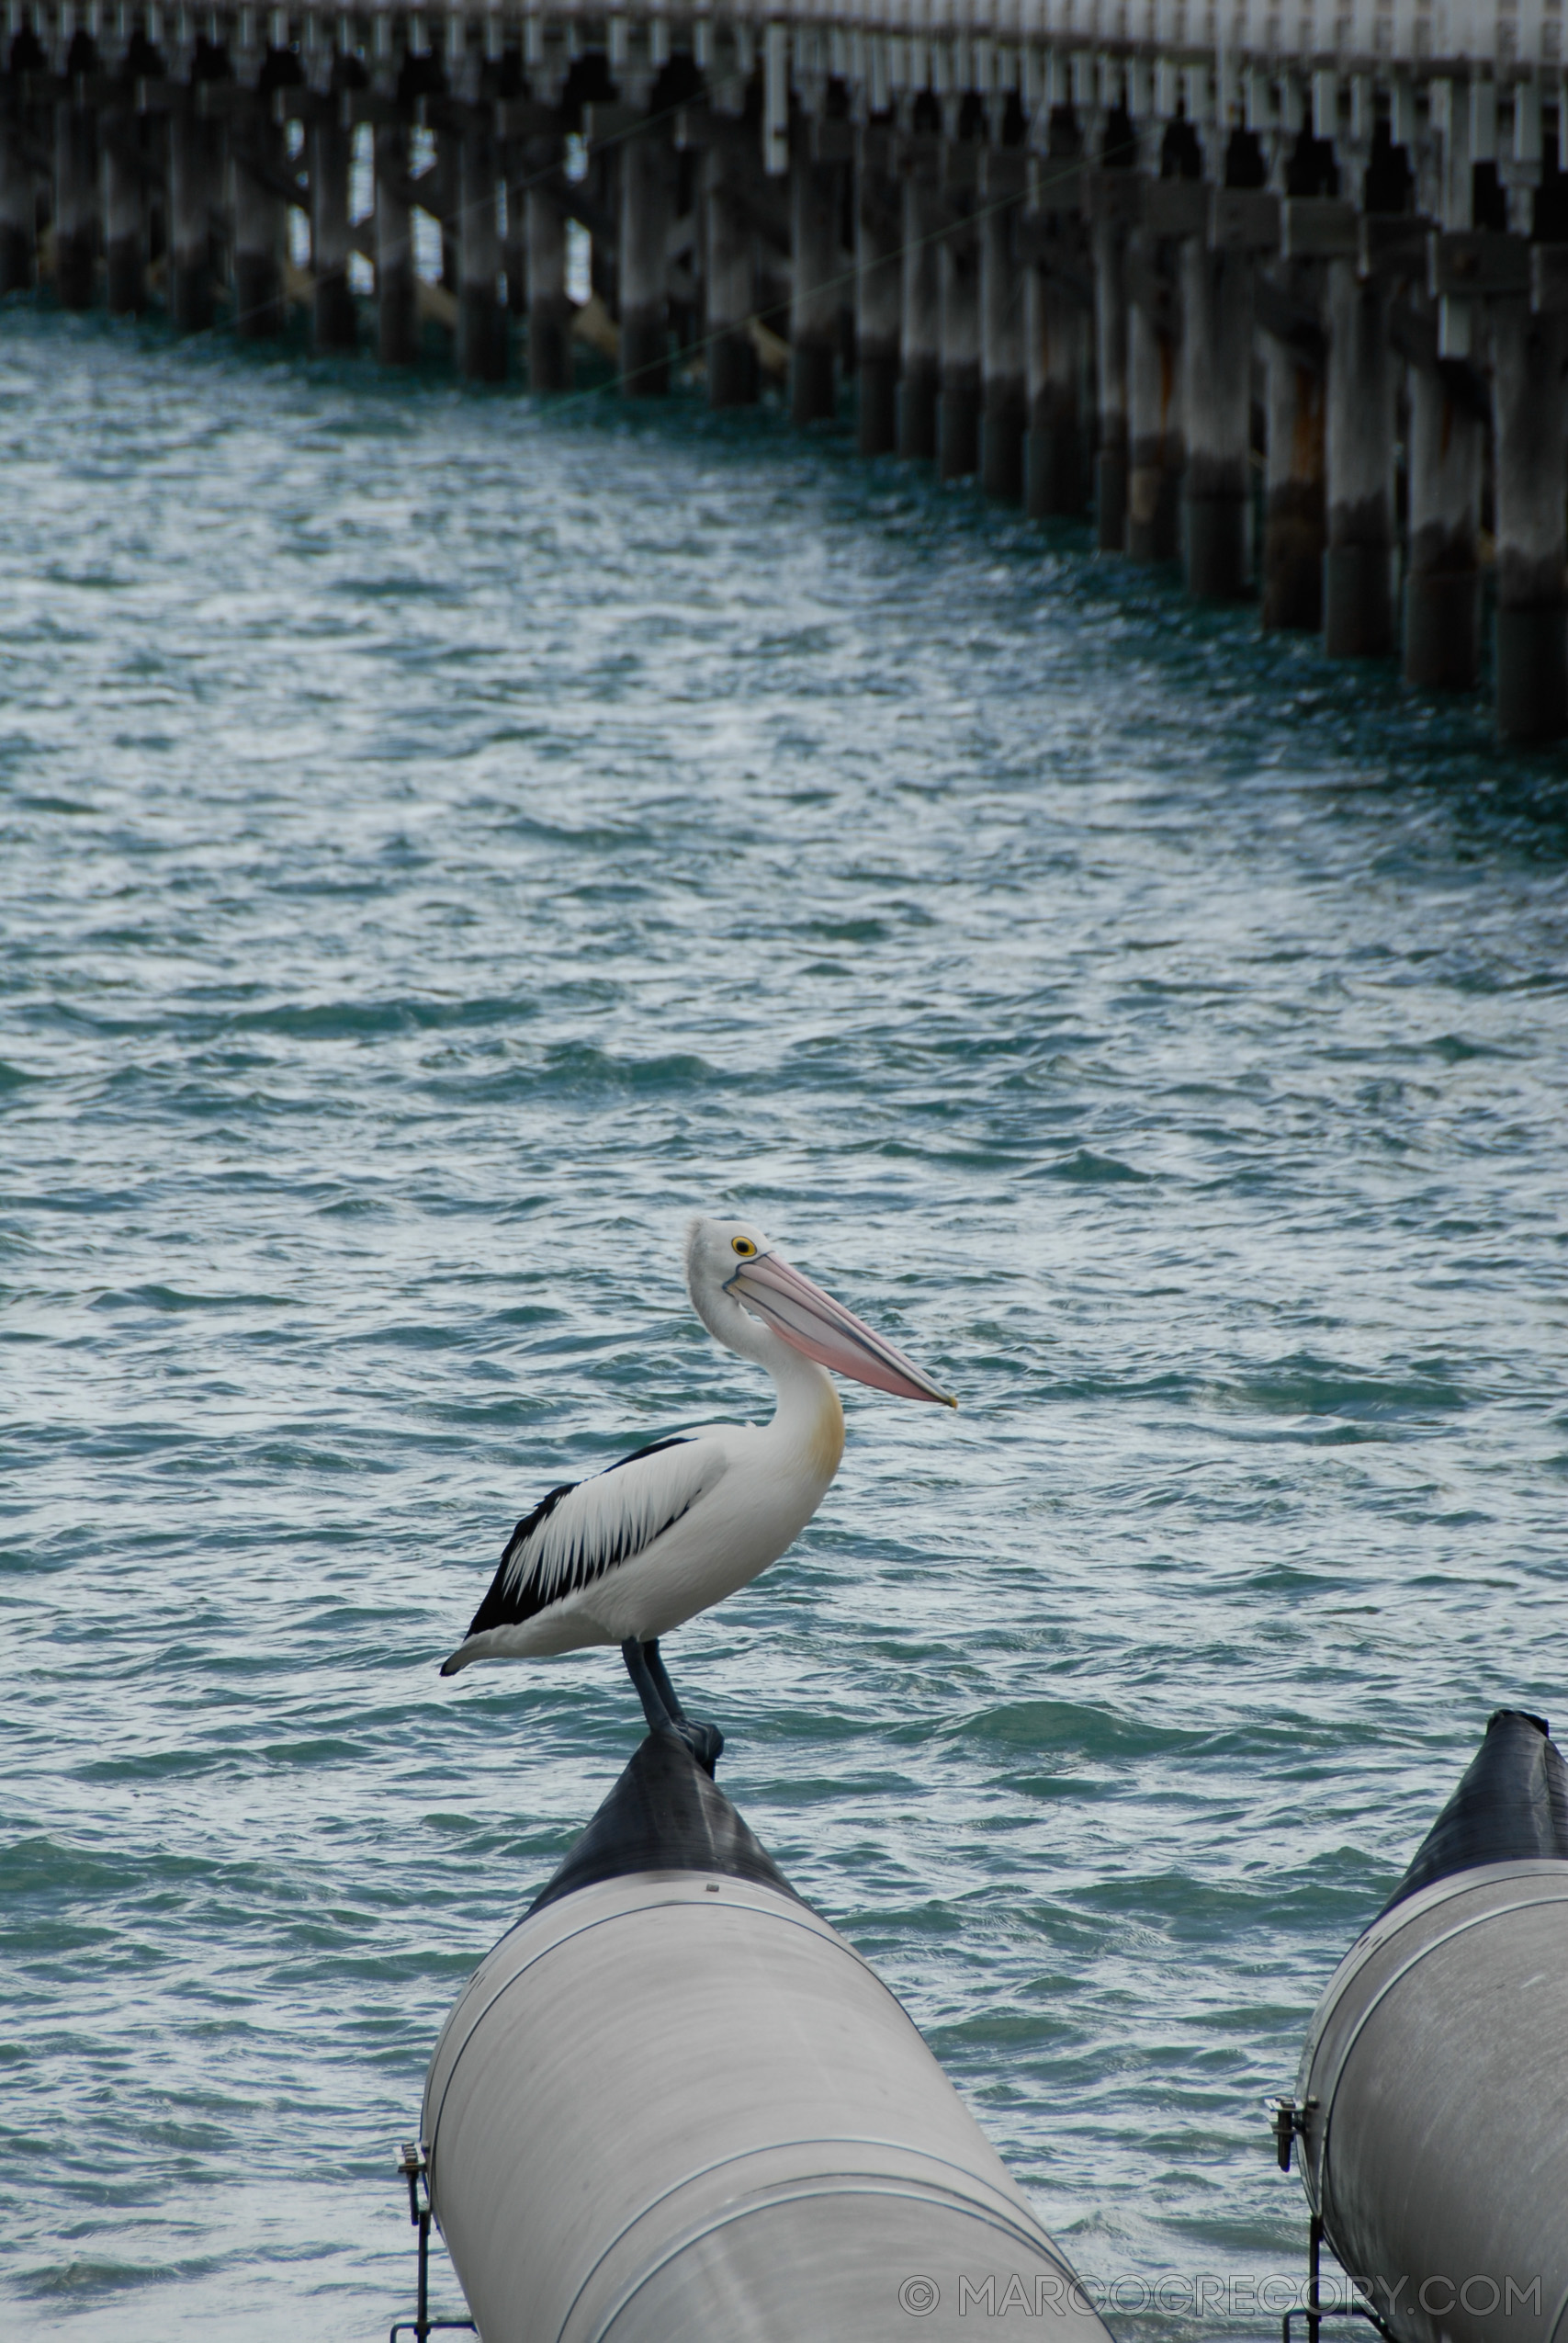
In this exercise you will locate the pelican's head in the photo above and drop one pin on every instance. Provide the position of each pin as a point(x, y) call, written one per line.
point(737, 1280)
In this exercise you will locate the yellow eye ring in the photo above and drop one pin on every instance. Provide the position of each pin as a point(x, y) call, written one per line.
point(743, 1246)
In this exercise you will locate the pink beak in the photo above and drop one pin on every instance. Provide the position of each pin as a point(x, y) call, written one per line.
point(812, 1321)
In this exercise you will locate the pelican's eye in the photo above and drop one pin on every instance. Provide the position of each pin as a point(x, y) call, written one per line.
point(743, 1246)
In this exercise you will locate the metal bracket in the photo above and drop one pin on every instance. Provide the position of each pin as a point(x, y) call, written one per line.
point(1289, 2123)
point(1314, 2312)
point(413, 2168)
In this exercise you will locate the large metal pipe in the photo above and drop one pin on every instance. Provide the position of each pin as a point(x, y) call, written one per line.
point(1432, 2103)
point(673, 2105)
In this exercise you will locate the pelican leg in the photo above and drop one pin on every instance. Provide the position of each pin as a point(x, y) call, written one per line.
point(661, 1675)
point(705, 1741)
point(662, 1705)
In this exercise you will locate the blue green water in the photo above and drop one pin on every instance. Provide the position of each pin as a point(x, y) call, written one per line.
point(441, 844)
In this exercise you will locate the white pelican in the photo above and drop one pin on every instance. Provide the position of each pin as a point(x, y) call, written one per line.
point(671, 1528)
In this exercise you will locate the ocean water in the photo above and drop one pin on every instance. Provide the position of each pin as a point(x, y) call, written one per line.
point(445, 843)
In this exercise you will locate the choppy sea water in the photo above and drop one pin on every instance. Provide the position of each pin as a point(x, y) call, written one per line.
point(443, 843)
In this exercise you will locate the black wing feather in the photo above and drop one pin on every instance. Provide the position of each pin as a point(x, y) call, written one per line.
point(508, 1603)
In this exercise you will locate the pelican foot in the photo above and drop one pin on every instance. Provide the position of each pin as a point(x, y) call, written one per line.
point(662, 1705)
point(705, 1741)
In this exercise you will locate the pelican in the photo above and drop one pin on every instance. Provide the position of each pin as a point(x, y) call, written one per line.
point(632, 1553)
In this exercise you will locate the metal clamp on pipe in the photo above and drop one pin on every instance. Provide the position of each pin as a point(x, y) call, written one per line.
point(411, 2168)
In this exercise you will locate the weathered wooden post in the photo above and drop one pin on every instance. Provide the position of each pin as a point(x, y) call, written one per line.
point(730, 290)
point(1004, 390)
point(514, 154)
point(1113, 201)
point(1358, 569)
point(920, 372)
point(1295, 518)
point(879, 293)
point(260, 177)
point(75, 204)
point(19, 194)
point(190, 198)
point(397, 295)
point(1528, 354)
point(1153, 404)
point(1057, 446)
point(814, 297)
point(1061, 306)
point(330, 147)
point(1216, 402)
point(125, 207)
point(1442, 585)
point(481, 321)
point(646, 211)
point(550, 310)
point(391, 227)
point(958, 439)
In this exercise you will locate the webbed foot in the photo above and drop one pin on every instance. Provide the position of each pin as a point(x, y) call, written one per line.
point(705, 1741)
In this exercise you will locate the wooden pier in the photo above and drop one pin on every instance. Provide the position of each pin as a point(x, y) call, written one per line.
point(1277, 288)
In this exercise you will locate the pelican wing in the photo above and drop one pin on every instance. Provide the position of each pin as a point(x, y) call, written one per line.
point(586, 1527)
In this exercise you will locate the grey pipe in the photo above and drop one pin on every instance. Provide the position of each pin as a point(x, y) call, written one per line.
point(1433, 2090)
point(673, 2105)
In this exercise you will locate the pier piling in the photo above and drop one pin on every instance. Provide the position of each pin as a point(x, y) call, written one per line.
point(1093, 268)
point(397, 295)
point(1109, 216)
point(878, 293)
point(1442, 586)
point(191, 189)
point(125, 210)
point(1295, 513)
point(1358, 569)
point(18, 197)
point(75, 204)
point(646, 211)
point(1533, 541)
point(814, 299)
point(730, 289)
point(919, 385)
point(256, 169)
point(335, 325)
point(958, 434)
point(1216, 355)
point(1056, 448)
point(514, 171)
point(1004, 383)
point(1154, 403)
point(549, 310)
point(482, 320)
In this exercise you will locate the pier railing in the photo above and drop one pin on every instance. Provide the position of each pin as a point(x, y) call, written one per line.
point(1274, 288)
